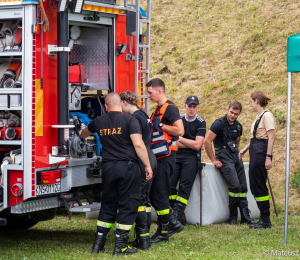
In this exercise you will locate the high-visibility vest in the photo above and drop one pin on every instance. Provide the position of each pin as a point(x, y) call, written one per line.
point(170, 140)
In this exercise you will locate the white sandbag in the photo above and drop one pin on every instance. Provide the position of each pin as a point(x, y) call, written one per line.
point(215, 198)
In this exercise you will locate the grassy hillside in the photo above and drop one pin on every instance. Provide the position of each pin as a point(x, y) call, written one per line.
point(223, 50)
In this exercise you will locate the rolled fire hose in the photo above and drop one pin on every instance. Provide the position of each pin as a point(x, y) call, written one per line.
point(19, 24)
point(13, 120)
point(18, 40)
point(9, 40)
point(13, 70)
point(5, 25)
point(18, 84)
point(9, 83)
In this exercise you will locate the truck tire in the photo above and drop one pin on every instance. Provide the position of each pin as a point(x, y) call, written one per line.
point(16, 223)
point(22, 222)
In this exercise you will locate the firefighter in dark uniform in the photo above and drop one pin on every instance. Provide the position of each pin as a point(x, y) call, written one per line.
point(261, 147)
point(130, 105)
point(166, 127)
point(225, 133)
point(122, 144)
point(188, 157)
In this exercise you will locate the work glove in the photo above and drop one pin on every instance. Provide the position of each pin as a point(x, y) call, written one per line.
point(77, 123)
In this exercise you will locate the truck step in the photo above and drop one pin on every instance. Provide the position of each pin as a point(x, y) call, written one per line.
point(2, 221)
point(86, 208)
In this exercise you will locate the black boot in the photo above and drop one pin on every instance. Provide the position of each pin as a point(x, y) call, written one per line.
point(179, 212)
point(121, 245)
point(161, 233)
point(245, 216)
point(100, 239)
point(175, 226)
point(142, 240)
point(244, 210)
point(264, 221)
point(233, 204)
point(233, 216)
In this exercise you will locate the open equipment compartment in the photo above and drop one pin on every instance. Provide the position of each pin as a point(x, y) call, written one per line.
point(11, 93)
point(92, 46)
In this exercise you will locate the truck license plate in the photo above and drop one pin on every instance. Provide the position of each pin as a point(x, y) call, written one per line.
point(46, 189)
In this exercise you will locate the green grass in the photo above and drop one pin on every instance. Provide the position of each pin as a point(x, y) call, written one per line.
point(64, 239)
point(296, 180)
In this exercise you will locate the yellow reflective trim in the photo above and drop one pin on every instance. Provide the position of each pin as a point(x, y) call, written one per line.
point(148, 209)
point(182, 200)
point(123, 249)
point(242, 195)
point(173, 197)
point(123, 226)
point(104, 224)
point(232, 194)
point(164, 232)
point(141, 209)
point(38, 108)
point(144, 235)
point(264, 198)
point(163, 212)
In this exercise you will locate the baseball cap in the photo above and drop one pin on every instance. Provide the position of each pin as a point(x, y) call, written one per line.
point(192, 100)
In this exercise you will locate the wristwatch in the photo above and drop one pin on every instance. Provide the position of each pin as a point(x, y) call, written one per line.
point(161, 125)
point(269, 155)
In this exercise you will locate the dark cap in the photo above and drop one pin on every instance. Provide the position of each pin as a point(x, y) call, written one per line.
point(192, 100)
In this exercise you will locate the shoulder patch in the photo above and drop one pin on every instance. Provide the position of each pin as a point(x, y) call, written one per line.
point(200, 118)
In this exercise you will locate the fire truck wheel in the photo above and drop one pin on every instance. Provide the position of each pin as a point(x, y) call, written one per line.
point(15, 223)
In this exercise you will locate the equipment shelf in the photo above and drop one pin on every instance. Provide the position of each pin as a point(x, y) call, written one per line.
point(10, 90)
point(11, 53)
point(11, 142)
point(11, 108)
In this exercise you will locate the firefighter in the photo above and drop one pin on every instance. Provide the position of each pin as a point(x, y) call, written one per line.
point(187, 161)
point(121, 139)
point(130, 105)
point(225, 133)
point(166, 126)
point(261, 147)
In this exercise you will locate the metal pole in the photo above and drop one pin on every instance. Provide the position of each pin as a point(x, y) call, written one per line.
point(200, 197)
point(63, 81)
point(287, 160)
point(271, 191)
point(137, 49)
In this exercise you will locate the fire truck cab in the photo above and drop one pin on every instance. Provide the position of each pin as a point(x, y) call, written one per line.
point(58, 60)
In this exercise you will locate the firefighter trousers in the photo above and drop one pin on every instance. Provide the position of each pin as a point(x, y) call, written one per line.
point(186, 168)
point(144, 211)
point(258, 174)
point(160, 190)
point(234, 174)
point(120, 195)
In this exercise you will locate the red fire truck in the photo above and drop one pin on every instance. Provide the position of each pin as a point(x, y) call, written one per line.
point(58, 60)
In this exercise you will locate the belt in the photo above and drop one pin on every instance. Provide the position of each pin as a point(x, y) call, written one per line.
point(259, 140)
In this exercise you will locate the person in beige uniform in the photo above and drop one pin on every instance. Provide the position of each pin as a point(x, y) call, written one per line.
point(261, 147)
